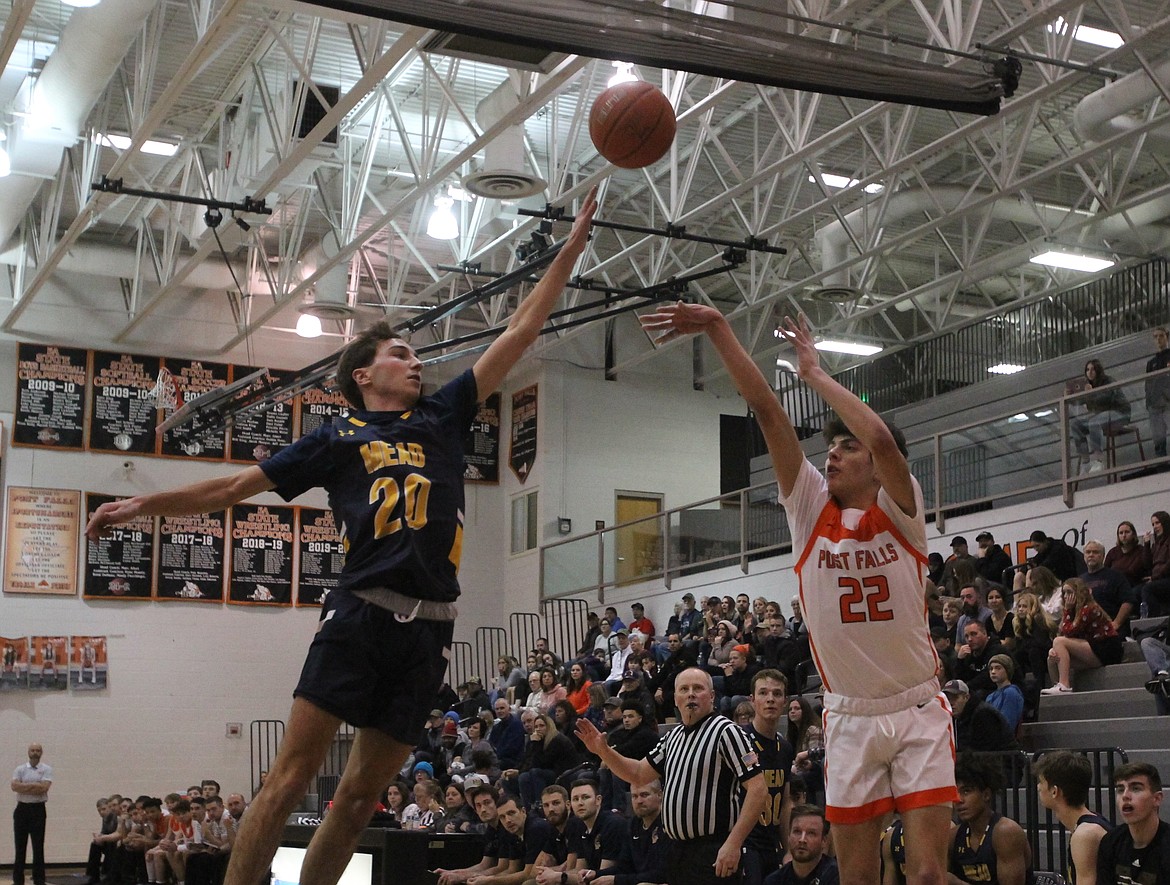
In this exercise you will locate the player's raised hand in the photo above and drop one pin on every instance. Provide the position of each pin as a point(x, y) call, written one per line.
point(675, 320)
point(110, 513)
point(579, 235)
point(807, 355)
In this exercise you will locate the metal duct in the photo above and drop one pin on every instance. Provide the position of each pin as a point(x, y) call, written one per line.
point(91, 48)
point(505, 173)
point(1106, 112)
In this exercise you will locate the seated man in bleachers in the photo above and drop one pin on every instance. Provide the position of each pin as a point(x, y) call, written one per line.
point(1138, 851)
point(987, 847)
point(1157, 655)
point(808, 834)
point(974, 607)
point(978, 725)
point(973, 657)
point(1110, 587)
point(992, 559)
point(1063, 778)
point(496, 849)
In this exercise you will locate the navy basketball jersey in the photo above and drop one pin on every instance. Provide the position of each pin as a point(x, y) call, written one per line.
point(895, 837)
point(395, 484)
point(1089, 818)
point(775, 758)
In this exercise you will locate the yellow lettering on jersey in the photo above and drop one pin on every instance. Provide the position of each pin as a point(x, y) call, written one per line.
point(773, 777)
point(356, 422)
point(456, 548)
point(976, 872)
point(417, 457)
point(378, 454)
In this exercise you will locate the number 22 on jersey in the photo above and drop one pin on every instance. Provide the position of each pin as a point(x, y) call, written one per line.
point(869, 593)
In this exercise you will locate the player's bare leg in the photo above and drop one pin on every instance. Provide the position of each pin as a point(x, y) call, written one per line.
point(307, 740)
point(373, 762)
point(858, 856)
point(928, 839)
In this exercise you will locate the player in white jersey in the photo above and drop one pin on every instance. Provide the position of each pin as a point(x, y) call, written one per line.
point(859, 535)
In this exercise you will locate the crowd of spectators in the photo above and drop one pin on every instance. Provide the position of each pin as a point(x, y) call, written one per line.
point(185, 838)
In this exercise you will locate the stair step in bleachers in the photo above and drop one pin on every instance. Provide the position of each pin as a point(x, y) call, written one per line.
point(1096, 705)
point(1132, 675)
point(1139, 624)
point(1127, 732)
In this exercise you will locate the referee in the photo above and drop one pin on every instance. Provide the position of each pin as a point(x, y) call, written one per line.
point(702, 765)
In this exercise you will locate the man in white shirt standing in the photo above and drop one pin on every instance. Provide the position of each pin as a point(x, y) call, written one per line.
point(618, 661)
point(30, 783)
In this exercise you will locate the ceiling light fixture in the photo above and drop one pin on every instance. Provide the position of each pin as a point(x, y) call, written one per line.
point(1005, 368)
point(841, 181)
point(853, 348)
point(150, 146)
point(1071, 261)
point(625, 73)
point(1089, 34)
point(81, 4)
point(309, 326)
point(443, 225)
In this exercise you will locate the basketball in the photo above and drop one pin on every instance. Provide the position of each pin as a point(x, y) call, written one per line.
point(632, 124)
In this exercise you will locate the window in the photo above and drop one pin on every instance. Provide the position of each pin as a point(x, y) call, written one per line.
point(524, 516)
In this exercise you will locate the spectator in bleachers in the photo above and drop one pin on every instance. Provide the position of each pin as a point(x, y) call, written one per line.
point(974, 656)
point(606, 642)
point(974, 609)
point(807, 841)
point(477, 699)
point(690, 621)
point(999, 622)
point(1007, 698)
point(945, 650)
point(507, 736)
point(595, 712)
point(959, 555)
point(648, 847)
point(1158, 391)
point(1110, 588)
point(718, 646)
point(1156, 592)
point(603, 840)
point(808, 743)
point(545, 652)
point(634, 739)
point(483, 800)
point(535, 699)
point(1040, 581)
point(577, 688)
point(593, 625)
point(551, 689)
point(1156, 651)
point(428, 800)
point(992, 559)
point(614, 620)
point(796, 625)
point(634, 689)
point(1033, 642)
point(1139, 849)
point(509, 677)
point(548, 755)
point(1087, 638)
point(565, 719)
point(1129, 556)
point(101, 847)
point(1063, 778)
point(682, 655)
point(236, 806)
point(935, 566)
point(1105, 412)
point(987, 847)
point(737, 678)
point(1055, 555)
point(979, 727)
point(640, 622)
point(458, 816)
point(618, 660)
point(952, 610)
point(934, 606)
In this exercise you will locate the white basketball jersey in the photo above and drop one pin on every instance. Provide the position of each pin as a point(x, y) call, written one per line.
point(861, 589)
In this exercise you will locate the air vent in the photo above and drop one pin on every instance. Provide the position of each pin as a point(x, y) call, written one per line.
point(496, 52)
point(313, 111)
point(503, 184)
point(328, 310)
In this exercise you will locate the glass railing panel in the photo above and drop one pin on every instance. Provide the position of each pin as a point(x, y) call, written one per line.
point(571, 566)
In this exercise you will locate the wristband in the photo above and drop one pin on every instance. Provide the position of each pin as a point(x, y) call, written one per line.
point(564, 879)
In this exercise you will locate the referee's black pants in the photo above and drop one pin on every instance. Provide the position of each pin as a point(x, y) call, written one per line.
point(28, 822)
point(692, 862)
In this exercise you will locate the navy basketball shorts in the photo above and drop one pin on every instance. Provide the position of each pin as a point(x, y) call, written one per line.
point(368, 667)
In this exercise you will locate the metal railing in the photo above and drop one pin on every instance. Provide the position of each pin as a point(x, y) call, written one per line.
point(998, 460)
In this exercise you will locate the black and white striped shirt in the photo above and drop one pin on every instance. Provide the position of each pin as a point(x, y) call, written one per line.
point(701, 767)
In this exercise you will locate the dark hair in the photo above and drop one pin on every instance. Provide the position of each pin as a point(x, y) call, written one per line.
point(978, 772)
point(481, 790)
point(835, 427)
point(358, 354)
point(984, 536)
point(557, 789)
point(1132, 528)
point(208, 782)
point(152, 802)
point(635, 705)
point(796, 730)
point(1139, 769)
point(1070, 771)
point(810, 811)
point(1101, 378)
point(586, 782)
point(404, 791)
point(1164, 519)
point(182, 806)
point(482, 759)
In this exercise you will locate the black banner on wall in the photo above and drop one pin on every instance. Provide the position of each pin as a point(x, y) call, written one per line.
point(522, 455)
point(191, 552)
point(262, 555)
point(256, 436)
point(120, 564)
point(50, 396)
point(320, 553)
point(194, 378)
point(320, 407)
point(122, 411)
point(481, 447)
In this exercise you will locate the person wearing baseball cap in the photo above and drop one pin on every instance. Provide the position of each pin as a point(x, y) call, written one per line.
point(978, 725)
point(958, 555)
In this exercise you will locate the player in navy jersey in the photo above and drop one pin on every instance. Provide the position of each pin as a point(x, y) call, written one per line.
point(1063, 778)
point(394, 474)
point(763, 848)
point(987, 847)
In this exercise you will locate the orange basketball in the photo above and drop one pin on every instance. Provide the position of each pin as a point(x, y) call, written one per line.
point(632, 124)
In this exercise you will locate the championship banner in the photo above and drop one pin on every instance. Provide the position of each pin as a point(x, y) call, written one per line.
point(257, 436)
point(50, 396)
point(193, 378)
point(320, 553)
point(261, 555)
point(523, 452)
point(481, 446)
point(317, 407)
point(191, 555)
point(119, 565)
point(88, 663)
point(121, 407)
point(40, 549)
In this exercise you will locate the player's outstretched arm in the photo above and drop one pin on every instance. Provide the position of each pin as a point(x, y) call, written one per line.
point(526, 323)
point(676, 320)
point(892, 470)
point(201, 497)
